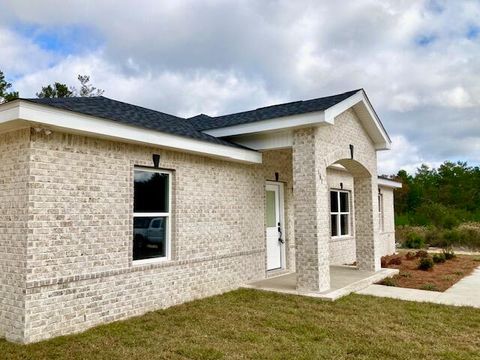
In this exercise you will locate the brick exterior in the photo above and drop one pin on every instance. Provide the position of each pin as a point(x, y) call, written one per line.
point(387, 236)
point(66, 224)
point(14, 186)
point(313, 151)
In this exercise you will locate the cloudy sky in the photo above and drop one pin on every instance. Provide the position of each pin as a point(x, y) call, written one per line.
point(419, 61)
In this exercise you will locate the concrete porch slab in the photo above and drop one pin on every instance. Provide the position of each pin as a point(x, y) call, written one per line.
point(343, 281)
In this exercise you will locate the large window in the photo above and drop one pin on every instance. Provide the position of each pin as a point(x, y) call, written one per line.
point(380, 212)
point(151, 214)
point(340, 213)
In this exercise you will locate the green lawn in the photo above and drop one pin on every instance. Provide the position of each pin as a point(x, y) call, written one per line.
point(250, 324)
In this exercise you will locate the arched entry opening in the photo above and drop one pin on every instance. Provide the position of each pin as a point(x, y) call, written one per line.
point(364, 216)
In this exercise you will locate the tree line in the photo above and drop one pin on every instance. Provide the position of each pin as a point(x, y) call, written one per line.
point(55, 90)
point(443, 196)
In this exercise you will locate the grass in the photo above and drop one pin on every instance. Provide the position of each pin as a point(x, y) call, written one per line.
point(251, 324)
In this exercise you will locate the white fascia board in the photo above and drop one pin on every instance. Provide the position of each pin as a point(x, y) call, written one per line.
point(84, 124)
point(280, 123)
point(360, 103)
point(389, 183)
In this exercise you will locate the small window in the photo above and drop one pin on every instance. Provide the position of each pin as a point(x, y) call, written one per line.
point(151, 214)
point(339, 213)
point(380, 212)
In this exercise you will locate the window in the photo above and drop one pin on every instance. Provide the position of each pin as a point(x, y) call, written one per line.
point(151, 214)
point(380, 212)
point(339, 213)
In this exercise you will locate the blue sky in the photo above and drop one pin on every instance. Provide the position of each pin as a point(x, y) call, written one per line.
point(417, 60)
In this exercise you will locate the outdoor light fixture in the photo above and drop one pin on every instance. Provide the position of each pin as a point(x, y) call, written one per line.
point(351, 151)
point(341, 186)
point(276, 176)
point(156, 160)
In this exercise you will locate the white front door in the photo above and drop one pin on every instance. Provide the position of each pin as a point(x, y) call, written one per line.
point(274, 226)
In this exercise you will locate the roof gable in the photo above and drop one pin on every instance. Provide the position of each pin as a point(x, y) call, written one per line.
point(204, 122)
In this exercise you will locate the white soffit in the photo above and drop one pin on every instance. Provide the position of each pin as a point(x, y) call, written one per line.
point(358, 102)
point(25, 111)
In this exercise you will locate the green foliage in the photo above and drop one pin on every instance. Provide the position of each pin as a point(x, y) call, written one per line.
point(86, 89)
point(448, 254)
point(57, 90)
point(429, 287)
point(439, 258)
point(5, 94)
point(414, 241)
point(389, 282)
point(443, 197)
point(425, 264)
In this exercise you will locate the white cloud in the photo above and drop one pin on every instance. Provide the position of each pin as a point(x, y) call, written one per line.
point(415, 60)
point(403, 155)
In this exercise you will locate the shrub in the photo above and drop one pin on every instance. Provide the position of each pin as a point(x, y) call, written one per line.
point(451, 237)
point(410, 255)
point(448, 254)
point(425, 264)
point(389, 282)
point(397, 260)
point(414, 241)
point(421, 254)
point(434, 237)
point(439, 258)
point(470, 235)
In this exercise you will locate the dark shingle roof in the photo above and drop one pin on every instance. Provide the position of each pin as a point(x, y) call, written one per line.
point(106, 108)
point(204, 122)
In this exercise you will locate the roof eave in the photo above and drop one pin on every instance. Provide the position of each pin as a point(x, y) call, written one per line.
point(21, 111)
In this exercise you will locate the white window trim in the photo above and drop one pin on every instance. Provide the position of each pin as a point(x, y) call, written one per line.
point(339, 213)
point(381, 221)
point(168, 215)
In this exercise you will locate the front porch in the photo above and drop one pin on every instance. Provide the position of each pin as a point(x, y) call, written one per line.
point(343, 281)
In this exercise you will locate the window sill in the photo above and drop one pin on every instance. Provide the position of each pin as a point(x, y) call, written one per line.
point(341, 238)
point(150, 261)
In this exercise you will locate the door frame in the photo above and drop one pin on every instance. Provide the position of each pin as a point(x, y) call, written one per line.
point(283, 255)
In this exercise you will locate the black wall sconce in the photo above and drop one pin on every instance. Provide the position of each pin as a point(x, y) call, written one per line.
point(156, 160)
point(351, 151)
point(276, 176)
point(341, 185)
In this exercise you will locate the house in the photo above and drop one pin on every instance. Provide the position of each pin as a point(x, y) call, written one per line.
point(109, 210)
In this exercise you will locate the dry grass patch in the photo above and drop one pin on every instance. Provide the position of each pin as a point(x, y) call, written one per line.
point(251, 324)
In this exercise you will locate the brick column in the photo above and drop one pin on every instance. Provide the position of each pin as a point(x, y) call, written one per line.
point(310, 194)
point(366, 223)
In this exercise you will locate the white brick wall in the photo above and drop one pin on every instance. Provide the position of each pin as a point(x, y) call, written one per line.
point(70, 198)
point(78, 263)
point(387, 236)
point(14, 187)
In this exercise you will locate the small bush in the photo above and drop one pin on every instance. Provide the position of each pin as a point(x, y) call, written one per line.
point(449, 254)
point(410, 255)
point(406, 274)
point(429, 287)
point(439, 258)
point(397, 260)
point(389, 282)
point(425, 264)
point(414, 241)
point(421, 254)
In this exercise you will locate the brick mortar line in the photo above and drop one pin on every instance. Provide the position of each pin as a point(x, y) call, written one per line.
point(133, 268)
